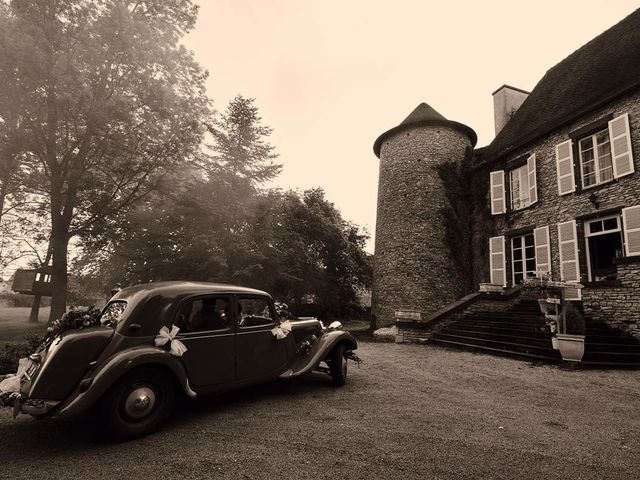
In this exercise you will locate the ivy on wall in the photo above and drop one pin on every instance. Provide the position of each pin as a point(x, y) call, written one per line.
point(463, 199)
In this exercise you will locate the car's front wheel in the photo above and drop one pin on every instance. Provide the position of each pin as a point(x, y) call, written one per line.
point(138, 403)
point(338, 365)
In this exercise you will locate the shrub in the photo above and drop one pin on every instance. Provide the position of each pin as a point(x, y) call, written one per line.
point(574, 323)
point(11, 352)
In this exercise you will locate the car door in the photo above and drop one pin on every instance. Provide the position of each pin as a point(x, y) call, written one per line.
point(260, 355)
point(207, 331)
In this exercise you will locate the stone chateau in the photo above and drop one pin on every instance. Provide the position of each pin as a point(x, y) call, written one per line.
point(557, 190)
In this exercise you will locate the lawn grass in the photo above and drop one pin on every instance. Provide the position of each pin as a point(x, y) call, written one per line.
point(14, 323)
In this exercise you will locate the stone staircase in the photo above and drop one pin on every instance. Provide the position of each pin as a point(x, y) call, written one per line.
point(606, 346)
point(521, 331)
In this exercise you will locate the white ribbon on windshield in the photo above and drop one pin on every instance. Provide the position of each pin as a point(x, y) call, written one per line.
point(177, 348)
point(282, 330)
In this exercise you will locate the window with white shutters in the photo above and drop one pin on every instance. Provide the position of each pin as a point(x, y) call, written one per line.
point(498, 203)
point(497, 261)
point(621, 150)
point(531, 173)
point(596, 165)
point(523, 190)
point(564, 168)
point(543, 249)
point(569, 260)
point(631, 226)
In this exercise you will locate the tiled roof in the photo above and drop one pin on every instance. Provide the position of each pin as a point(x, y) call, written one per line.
point(598, 72)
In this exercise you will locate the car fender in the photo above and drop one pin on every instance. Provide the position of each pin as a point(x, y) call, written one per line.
point(320, 349)
point(97, 382)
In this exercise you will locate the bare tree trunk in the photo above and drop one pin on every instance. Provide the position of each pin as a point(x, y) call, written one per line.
point(4, 187)
point(35, 309)
point(59, 245)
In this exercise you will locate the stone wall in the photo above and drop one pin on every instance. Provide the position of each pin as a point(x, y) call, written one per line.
point(552, 208)
point(413, 265)
point(618, 305)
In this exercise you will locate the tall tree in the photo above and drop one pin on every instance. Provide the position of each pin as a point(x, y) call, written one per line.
point(240, 144)
point(113, 103)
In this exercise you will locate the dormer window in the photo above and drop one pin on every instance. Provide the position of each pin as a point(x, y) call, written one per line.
point(595, 159)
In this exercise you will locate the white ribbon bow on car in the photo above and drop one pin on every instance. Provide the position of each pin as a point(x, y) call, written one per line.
point(282, 330)
point(177, 348)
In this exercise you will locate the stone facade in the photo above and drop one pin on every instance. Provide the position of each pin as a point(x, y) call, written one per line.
point(413, 264)
point(617, 304)
point(415, 261)
point(552, 208)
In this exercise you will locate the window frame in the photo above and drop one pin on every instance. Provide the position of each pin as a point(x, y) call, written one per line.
point(275, 321)
point(523, 172)
point(596, 158)
point(588, 234)
point(524, 257)
point(182, 333)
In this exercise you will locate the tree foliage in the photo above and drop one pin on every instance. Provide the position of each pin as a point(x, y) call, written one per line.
point(215, 222)
point(111, 103)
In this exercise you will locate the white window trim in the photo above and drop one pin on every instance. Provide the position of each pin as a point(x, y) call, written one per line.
point(524, 194)
point(596, 160)
point(524, 258)
point(588, 234)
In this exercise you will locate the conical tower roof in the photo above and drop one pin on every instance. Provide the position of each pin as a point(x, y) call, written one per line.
point(424, 115)
point(422, 112)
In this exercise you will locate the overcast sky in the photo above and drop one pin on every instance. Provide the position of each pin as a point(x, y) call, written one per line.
point(329, 76)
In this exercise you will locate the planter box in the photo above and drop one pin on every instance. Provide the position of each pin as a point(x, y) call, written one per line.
point(571, 346)
point(489, 287)
point(549, 306)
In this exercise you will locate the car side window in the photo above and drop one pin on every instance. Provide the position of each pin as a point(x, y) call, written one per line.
point(254, 312)
point(203, 314)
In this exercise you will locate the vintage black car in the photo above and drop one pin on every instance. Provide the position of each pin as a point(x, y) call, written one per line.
point(132, 373)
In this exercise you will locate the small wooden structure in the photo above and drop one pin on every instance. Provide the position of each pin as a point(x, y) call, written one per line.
point(33, 281)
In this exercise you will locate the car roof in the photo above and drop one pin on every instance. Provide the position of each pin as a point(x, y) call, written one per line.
point(153, 305)
point(179, 288)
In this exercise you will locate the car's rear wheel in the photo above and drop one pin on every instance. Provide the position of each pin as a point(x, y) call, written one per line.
point(138, 403)
point(338, 365)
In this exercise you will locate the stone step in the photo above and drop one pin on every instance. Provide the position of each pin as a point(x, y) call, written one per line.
point(550, 357)
point(611, 347)
point(499, 327)
point(513, 346)
point(538, 340)
point(611, 356)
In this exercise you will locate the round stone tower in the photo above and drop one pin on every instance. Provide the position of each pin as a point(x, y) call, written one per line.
point(414, 267)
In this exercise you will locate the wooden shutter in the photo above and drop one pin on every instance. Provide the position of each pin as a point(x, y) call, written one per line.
point(531, 173)
point(564, 168)
point(543, 249)
point(621, 152)
point(497, 261)
point(631, 226)
point(569, 260)
point(498, 201)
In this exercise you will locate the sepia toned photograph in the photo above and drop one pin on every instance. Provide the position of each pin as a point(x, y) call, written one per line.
point(319, 240)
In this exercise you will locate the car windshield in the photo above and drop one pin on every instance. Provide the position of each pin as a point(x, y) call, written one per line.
point(112, 313)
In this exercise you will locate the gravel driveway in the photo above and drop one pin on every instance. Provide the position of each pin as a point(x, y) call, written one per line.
point(408, 412)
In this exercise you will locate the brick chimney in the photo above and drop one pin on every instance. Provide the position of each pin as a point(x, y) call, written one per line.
point(506, 100)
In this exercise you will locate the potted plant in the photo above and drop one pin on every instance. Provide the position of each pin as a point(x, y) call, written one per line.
point(571, 335)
